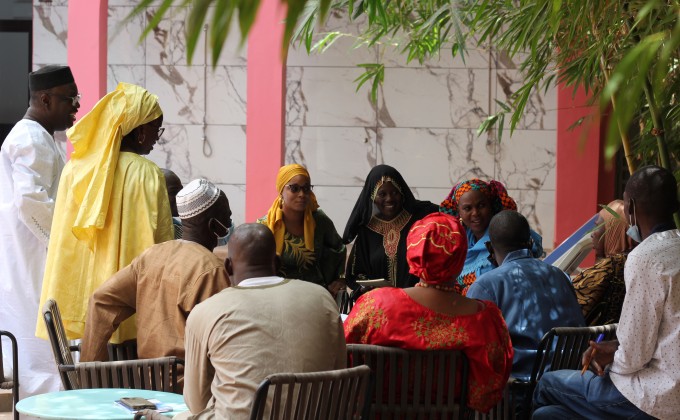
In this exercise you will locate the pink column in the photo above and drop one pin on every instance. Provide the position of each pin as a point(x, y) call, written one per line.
point(265, 113)
point(86, 42)
point(583, 179)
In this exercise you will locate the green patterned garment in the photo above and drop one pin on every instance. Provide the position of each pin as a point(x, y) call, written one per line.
point(321, 266)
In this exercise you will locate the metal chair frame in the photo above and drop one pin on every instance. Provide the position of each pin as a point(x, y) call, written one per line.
point(14, 383)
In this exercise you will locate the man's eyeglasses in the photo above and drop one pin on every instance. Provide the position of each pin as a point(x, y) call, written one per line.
point(226, 229)
point(75, 100)
point(295, 188)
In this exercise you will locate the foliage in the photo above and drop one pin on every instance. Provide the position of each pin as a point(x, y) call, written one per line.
point(223, 13)
point(624, 53)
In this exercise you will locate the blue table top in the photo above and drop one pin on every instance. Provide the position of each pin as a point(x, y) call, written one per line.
point(93, 403)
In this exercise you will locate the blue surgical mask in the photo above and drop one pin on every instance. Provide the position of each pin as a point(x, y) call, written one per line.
point(633, 229)
point(223, 240)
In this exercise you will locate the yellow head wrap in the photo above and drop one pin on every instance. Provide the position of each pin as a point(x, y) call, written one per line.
point(96, 142)
point(275, 214)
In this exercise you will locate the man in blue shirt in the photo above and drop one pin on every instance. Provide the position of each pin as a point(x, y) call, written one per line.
point(532, 295)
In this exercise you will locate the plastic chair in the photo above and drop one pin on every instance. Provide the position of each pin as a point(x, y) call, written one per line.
point(159, 374)
point(413, 383)
point(14, 383)
point(336, 394)
point(561, 348)
point(126, 350)
point(344, 302)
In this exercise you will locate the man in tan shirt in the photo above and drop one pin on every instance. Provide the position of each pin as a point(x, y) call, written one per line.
point(261, 325)
point(165, 282)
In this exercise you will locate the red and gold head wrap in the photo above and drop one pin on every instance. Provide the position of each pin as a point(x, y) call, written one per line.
point(494, 190)
point(275, 213)
point(436, 247)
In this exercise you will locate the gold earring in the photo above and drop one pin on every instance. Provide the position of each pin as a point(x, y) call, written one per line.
point(140, 139)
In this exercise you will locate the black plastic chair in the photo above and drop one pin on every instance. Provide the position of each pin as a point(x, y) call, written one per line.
point(14, 383)
point(561, 348)
point(160, 374)
point(335, 394)
point(413, 383)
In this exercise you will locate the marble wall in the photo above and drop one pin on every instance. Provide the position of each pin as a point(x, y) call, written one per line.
point(424, 122)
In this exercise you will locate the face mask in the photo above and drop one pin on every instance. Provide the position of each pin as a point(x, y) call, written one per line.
point(633, 229)
point(223, 240)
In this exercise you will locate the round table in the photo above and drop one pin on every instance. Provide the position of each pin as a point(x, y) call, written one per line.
point(94, 403)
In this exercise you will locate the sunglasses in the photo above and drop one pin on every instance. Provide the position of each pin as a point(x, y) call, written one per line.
point(295, 188)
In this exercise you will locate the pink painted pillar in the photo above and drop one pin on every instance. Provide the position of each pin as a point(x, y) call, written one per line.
point(86, 42)
point(265, 113)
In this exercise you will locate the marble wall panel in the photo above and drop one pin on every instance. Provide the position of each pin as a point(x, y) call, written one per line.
point(226, 94)
point(166, 44)
point(345, 51)
point(327, 97)
point(540, 112)
point(435, 98)
point(124, 46)
point(338, 156)
point(337, 203)
point(116, 73)
point(527, 160)
point(50, 23)
point(475, 58)
point(181, 91)
point(429, 157)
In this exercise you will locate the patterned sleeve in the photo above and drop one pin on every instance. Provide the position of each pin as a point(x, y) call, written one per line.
point(490, 355)
point(364, 319)
point(32, 169)
point(591, 284)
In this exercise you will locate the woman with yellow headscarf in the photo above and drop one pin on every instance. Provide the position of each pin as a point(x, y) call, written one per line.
point(306, 240)
point(112, 204)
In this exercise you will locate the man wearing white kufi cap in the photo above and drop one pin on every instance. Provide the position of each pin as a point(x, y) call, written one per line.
point(165, 282)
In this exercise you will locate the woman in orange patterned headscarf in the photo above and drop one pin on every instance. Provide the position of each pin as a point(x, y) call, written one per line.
point(475, 202)
point(306, 240)
point(432, 316)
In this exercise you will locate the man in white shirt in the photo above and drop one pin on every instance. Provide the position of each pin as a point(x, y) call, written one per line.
point(638, 375)
point(30, 165)
point(262, 325)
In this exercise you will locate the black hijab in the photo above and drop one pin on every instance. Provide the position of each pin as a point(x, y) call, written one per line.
point(363, 209)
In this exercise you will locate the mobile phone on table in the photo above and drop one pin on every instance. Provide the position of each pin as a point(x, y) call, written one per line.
point(136, 403)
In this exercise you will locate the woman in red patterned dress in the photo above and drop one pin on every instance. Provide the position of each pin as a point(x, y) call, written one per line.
point(432, 316)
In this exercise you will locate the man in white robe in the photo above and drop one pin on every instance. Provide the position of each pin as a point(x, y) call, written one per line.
point(30, 165)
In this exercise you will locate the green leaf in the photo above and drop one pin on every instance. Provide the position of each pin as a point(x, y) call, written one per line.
point(195, 23)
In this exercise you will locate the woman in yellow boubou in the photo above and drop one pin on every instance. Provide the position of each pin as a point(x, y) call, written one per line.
point(306, 240)
point(112, 204)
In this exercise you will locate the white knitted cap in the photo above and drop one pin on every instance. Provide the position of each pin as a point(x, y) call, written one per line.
point(196, 197)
